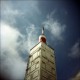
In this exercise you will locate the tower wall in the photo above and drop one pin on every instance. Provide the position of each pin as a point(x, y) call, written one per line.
point(41, 63)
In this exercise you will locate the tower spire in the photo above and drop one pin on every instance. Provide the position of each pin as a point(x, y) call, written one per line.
point(43, 30)
point(42, 37)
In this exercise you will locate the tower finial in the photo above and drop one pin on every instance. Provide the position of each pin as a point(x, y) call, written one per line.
point(43, 30)
point(42, 37)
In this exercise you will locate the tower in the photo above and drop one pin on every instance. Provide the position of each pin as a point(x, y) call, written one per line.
point(41, 62)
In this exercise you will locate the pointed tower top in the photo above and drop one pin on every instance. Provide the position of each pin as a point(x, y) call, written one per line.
point(43, 30)
point(42, 37)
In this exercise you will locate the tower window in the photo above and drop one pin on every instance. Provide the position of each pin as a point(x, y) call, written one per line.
point(28, 78)
point(29, 65)
point(51, 55)
point(49, 77)
point(53, 71)
point(35, 74)
point(31, 77)
point(38, 53)
point(37, 64)
point(28, 70)
point(30, 59)
point(43, 64)
point(44, 74)
point(33, 68)
point(34, 55)
point(32, 63)
point(48, 68)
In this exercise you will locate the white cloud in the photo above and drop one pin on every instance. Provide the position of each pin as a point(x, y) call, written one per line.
point(57, 29)
point(10, 46)
point(76, 77)
point(9, 36)
point(31, 39)
point(8, 13)
point(12, 63)
point(75, 50)
point(12, 11)
point(32, 36)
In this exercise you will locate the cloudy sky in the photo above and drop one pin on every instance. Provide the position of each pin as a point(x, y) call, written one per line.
point(21, 23)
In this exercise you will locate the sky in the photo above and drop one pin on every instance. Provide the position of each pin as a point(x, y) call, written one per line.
point(21, 22)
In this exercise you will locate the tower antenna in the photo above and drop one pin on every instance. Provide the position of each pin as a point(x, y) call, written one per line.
point(43, 30)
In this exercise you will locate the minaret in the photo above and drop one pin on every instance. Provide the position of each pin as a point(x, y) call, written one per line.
point(41, 62)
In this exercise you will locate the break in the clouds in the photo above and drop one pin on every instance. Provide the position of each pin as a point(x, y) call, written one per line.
point(75, 50)
point(54, 27)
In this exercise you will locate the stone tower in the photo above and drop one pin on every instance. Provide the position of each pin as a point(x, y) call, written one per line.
point(41, 62)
